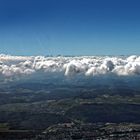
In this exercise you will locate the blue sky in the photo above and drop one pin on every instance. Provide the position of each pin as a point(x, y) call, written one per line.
point(70, 27)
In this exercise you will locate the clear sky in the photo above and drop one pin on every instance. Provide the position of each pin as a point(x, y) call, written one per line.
point(70, 27)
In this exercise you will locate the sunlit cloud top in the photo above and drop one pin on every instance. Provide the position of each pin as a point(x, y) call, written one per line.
point(17, 66)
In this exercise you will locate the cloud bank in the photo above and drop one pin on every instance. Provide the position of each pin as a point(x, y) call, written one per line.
point(11, 66)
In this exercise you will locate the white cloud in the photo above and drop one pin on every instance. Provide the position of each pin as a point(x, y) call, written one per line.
point(87, 65)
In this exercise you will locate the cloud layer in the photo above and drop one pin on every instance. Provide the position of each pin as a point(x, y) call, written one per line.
point(11, 66)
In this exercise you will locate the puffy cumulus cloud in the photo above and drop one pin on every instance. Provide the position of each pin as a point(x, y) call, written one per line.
point(131, 68)
point(74, 67)
point(11, 66)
